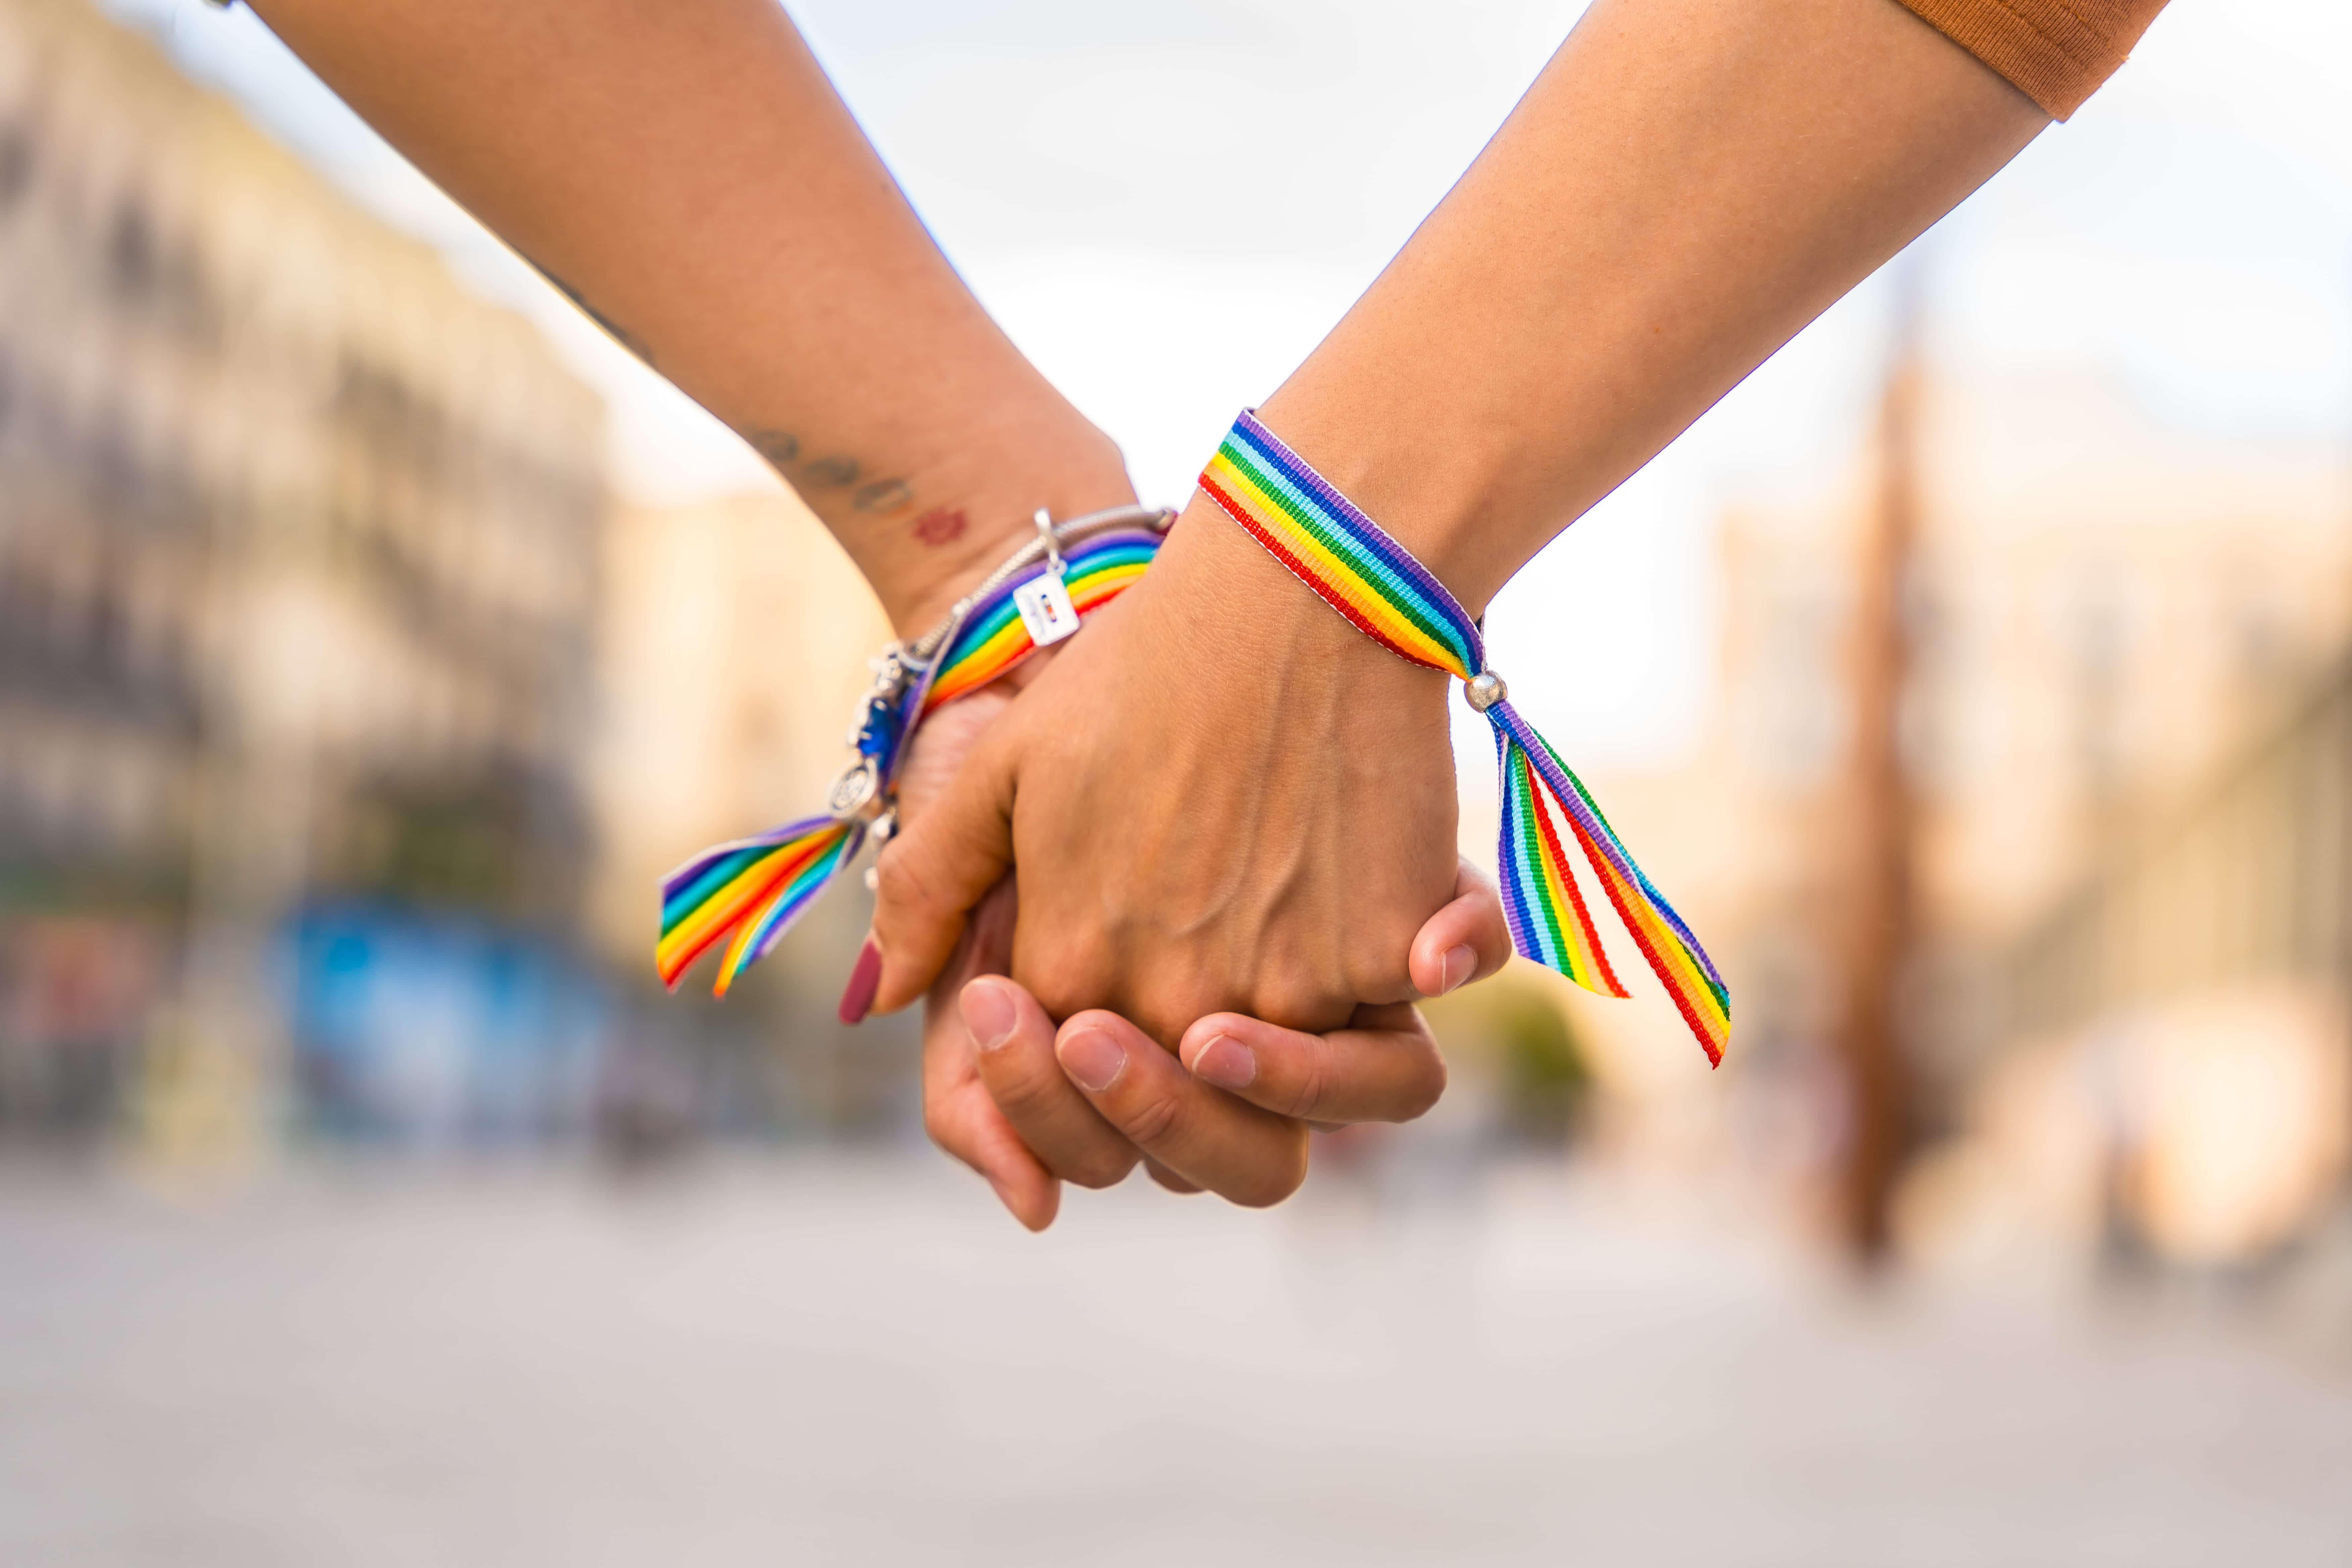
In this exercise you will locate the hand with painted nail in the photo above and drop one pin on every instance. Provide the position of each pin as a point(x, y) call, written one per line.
point(1030, 1105)
point(1227, 806)
point(1233, 805)
point(1226, 800)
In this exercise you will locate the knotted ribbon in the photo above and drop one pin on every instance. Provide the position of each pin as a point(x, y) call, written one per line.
point(749, 892)
point(1360, 570)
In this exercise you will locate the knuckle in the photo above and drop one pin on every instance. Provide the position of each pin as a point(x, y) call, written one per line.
point(898, 885)
point(1182, 1185)
point(1163, 1014)
point(1061, 995)
point(1292, 1002)
point(1029, 1089)
point(1156, 1119)
point(1309, 1084)
point(1067, 971)
point(1427, 1087)
point(1382, 970)
point(1099, 1169)
point(1278, 1181)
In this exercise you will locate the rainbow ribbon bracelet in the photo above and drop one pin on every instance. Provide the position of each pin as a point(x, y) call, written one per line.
point(1360, 570)
point(747, 894)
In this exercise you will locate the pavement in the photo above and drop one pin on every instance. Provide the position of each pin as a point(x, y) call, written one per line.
point(833, 1360)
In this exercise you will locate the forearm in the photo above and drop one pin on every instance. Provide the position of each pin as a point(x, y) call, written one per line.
point(1687, 184)
point(688, 174)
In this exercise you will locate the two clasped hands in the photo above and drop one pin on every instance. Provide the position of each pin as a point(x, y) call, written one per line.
point(1172, 891)
point(1230, 820)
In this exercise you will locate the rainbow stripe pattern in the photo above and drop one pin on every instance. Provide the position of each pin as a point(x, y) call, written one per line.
point(747, 894)
point(991, 639)
point(1360, 570)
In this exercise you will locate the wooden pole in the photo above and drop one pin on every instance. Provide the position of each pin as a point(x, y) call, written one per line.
point(1881, 911)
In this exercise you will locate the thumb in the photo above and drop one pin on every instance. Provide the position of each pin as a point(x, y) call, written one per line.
point(1467, 940)
point(930, 875)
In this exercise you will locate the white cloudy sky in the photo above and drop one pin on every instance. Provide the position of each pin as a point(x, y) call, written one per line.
point(2191, 231)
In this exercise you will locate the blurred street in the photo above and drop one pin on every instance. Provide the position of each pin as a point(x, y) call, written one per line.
point(836, 1360)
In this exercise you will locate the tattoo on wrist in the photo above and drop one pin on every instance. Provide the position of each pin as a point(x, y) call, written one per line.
point(940, 525)
point(782, 449)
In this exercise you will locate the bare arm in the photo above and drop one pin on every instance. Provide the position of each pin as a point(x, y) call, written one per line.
point(686, 174)
point(1684, 186)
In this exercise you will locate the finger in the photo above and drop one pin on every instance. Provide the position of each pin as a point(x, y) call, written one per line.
point(958, 1112)
point(1013, 1047)
point(963, 1121)
point(1384, 1067)
point(1170, 1180)
point(930, 875)
point(1235, 1150)
point(1467, 940)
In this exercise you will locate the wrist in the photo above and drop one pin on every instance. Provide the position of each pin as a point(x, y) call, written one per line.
point(982, 508)
point(1447, 499)
point(1222, 597)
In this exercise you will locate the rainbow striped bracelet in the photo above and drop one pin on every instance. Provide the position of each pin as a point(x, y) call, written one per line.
point(747, 894)
point(1332, 546)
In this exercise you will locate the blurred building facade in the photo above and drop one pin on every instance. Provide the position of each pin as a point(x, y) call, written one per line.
point(735, 638)
point(298, 555)
point(2104, 618)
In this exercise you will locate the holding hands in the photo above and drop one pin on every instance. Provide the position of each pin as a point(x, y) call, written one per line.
point(1029, 1105)
point(1172, 888)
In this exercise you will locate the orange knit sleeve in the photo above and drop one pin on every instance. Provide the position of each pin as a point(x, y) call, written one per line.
point(2053, 51)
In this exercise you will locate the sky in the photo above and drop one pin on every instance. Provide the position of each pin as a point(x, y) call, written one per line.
point(2189, 233)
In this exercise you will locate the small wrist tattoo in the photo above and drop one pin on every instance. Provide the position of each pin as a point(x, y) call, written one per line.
point(883, 495)
point(941, 525)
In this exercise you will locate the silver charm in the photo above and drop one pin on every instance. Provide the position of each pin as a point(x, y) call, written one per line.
point(1044, 520)
point(853, 791)
point(1484, 689)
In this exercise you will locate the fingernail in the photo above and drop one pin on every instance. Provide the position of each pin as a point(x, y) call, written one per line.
point(865, 979)
point(1093, 1058)
point(1458, 964)
point(1225, 1062)
point(987, 1015)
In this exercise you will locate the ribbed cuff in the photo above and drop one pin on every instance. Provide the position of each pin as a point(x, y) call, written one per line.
point(2056, 52)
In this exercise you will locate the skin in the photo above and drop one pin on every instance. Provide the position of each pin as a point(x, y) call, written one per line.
point(1686, 185)
point(999, 1094)
point(686, 173)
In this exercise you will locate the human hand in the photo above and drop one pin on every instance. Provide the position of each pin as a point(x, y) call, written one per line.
point(1234, 803)
point(1029, 1106)
point(997, 1096)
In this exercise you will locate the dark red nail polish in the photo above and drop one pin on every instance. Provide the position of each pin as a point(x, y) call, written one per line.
point(865, 979)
